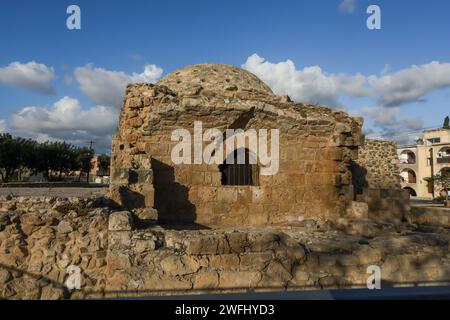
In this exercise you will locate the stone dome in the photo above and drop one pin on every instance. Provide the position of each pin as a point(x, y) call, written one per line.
point(213, 77)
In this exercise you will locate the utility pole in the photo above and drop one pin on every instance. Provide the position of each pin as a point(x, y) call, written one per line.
point(432, 169)
point(89, 170)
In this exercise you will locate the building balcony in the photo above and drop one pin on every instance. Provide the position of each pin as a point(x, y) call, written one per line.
point(408, 161)
point(443, 160)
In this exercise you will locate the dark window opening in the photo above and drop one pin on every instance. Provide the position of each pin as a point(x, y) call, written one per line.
point(245, 174)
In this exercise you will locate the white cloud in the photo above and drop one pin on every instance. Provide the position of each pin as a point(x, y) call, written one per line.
point(382, 116)
point(31, 75)
point(411, 84)
point(107, 87)
point(3, 127)
point(347, 6)
point(66, 120)
point(388, 125)
point(310, 84)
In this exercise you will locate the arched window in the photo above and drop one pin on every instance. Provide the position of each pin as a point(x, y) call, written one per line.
point(443, 156)
point(407, 157)
point(408, 176)
point(240, 173)
point(445, 172)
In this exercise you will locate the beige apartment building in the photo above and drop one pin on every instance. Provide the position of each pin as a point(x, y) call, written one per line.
point(429, 156)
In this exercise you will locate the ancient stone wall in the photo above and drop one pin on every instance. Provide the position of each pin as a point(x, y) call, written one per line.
point(42, 238)
point(316, 145)
point(376, 182)
point(376, 166)
point(386, 204)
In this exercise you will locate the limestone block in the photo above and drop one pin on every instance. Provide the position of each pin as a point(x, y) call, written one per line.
point(171, 284)
point(64, 227)
point(237, 241)
point(144, 245)
point(331, 281)
point(326, 260)
point(5, 276)
point(224, 262)
point(147, 213)
point(118, 281)
point(358, 210)
point(118, 260)
point(300, 276)
point(207, 194)
point(135, 122)
point(261, 195)
point(120, 221)
point(255, 261)
point(275, 275)
point(52, 293)
point(206, 280)
point(292, 249)
point(239, 280)
point(149, 200)
point(141, 176)
point(222, 209)
point(347, 260)
point(263, 241)
point(176, 265)
point(389, 268)
point(202, 245)
point(134, 103)
point(369, 255)
point(120, 176)
point(257, 215)
point(227, 194)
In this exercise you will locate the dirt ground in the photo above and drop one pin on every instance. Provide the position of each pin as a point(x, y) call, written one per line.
point(53, 192)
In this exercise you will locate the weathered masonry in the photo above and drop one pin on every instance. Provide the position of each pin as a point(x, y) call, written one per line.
point(376, 181)
point(316, 145)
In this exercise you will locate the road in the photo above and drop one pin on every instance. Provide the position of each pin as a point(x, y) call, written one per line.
point(53, 192)
point(414, 293)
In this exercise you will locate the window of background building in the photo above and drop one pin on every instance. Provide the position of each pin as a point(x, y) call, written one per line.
point(434, 140)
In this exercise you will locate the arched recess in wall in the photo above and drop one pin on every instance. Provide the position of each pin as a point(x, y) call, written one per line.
point(240, 168)
point(443, 155)
point(408, 176)
point(407, 157)
point(411, 191)
point(445, 172)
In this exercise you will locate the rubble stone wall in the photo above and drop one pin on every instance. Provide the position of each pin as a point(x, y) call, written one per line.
point(41, 238)
point(387, 204)
point(376, 166)
point(376, 181)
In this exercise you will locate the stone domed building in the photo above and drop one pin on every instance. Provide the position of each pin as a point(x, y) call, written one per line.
point(312, 176)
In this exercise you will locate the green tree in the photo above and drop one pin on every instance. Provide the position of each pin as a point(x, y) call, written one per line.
point(441, 181)
point(84, 160)
point(47, 157)
point(42, 161)
point(446, 123)
point(62, 157)
point(27, 154)
point(56, 157)
point(104, 162)
point(10, 156)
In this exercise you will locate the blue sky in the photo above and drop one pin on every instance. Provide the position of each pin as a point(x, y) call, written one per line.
point(57, 83)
